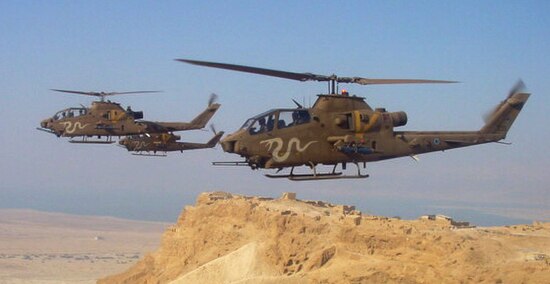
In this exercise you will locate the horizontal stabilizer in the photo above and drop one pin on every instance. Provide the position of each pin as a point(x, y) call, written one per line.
point(451, 141)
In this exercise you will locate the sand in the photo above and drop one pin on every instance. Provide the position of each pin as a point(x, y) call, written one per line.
point(42, 247)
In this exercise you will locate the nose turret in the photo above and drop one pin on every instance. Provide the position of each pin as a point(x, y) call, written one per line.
point(126, 144)
point(228, 145)
point(235, 142)
point(45, 123)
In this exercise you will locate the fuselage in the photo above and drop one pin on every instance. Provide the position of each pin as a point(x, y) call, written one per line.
point(101, 119)
point(338, 129)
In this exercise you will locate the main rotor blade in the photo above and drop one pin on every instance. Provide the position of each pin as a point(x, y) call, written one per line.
point(262, 71)
point(103, 94)
point(134, 92)
point(308, 76)
point(366, 81)
point(77, 92)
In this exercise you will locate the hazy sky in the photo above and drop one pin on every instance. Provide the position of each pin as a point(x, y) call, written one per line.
point(130, 45)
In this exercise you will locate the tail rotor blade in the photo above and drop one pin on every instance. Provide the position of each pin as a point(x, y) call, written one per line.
point(518, 87)
point(213, 128)
point(213, 98)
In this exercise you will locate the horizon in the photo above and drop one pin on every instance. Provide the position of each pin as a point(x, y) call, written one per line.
point(470, 212)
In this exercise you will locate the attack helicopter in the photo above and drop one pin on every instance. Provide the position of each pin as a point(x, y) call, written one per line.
point(160, 144)
point(340, 129)
point(108, 119)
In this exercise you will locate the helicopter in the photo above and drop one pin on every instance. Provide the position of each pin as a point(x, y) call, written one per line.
point(164, 142)
point(109, 119)
point(341, 128)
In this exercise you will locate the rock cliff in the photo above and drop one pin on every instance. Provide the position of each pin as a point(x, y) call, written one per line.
point(228, 238)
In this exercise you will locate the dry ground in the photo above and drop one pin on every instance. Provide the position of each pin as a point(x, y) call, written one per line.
point(42, 247)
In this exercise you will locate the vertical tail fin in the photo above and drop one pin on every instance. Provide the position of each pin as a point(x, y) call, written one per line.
point(202, 119)
point(502, 118)
point(212, 143)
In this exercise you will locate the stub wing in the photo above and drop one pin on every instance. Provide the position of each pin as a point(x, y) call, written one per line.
point(155, 144)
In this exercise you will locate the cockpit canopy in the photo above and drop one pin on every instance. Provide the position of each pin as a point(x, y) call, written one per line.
point(276, 119)
point(70, 112)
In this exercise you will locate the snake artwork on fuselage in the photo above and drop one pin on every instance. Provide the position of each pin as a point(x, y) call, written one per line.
point(279, 143)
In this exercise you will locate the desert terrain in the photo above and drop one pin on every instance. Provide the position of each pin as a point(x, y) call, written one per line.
point(228, 238)
point(42, 247)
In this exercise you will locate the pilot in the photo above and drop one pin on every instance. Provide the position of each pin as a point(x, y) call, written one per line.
point(270, 123)
point(263, 127)
point(261, 123)
point(299, 117)
point(295, 118)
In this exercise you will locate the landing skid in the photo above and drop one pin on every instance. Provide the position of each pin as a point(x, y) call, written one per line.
point(91, 142)
point(324, 177)
point(319, 176)
point(149, 155)
point(84, 140)
point(236, 164)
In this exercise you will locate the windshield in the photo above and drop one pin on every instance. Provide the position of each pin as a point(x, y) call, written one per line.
point(263, 124)
point(282, 118)
point(70, 112)
point(248, 123)
point(288, 118)
point(251, 120)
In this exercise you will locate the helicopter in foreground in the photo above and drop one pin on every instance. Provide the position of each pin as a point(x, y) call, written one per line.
point(160, 144)
point(108, 119)
point(340, 129)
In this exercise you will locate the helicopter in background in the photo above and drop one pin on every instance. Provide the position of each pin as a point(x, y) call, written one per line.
point(108, 119)
point(143, 145)
point(340, 129)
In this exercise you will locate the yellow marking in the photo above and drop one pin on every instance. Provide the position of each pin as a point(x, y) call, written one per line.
point(372, 121)
point(164, 137)
point(357, 121)
point(115, 118)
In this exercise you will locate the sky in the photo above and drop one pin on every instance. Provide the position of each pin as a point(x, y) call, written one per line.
point(131, 45)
